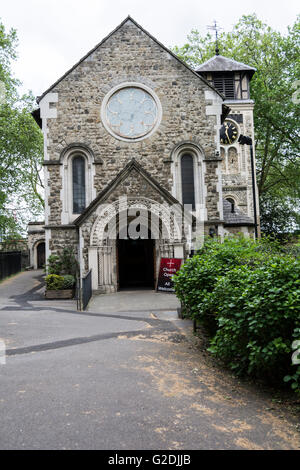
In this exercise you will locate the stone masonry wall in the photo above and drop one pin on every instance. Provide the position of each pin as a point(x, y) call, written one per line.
point(61, 238)
point(129, 55)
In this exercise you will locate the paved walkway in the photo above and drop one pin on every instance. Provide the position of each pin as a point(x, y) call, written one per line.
point(134, 301)
point(126, 374)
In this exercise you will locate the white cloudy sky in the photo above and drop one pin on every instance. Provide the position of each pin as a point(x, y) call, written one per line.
point(55, 34)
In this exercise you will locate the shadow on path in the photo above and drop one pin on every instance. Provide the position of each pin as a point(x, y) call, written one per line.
point(31, 295)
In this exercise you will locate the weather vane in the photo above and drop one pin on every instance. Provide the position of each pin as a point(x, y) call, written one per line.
point(215, 28)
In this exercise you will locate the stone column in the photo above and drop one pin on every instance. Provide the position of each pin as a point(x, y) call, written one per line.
point(179, 250)
point(166, 250)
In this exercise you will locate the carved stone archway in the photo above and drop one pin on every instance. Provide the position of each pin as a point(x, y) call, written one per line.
point(162, 220)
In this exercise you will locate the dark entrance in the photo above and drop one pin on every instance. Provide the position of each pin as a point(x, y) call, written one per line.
point(40, 255)
point(136, 263)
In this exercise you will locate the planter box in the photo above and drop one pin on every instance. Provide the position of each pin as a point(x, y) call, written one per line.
point(60, 294)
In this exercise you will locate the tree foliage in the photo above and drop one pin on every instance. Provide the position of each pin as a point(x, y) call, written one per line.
point(21, 146)
point(275, 88)
point(278, 216)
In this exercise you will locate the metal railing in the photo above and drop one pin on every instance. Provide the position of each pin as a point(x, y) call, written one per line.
point(86, 292)
point(10, 263)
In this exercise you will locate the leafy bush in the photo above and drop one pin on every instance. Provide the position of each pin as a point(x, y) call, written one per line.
point(69, 281)
point(196, 280)
point(54, 282)
point(248, 294)
point(64, 263)
point(257, 314)
point(69, 261)
point(54, 264)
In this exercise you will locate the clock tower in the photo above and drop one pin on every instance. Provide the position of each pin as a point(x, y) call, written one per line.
point(232, 79)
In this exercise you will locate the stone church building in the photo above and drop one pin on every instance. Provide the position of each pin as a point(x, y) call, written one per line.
point(141, 158)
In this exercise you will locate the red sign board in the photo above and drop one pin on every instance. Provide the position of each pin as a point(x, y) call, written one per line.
point(168, 267)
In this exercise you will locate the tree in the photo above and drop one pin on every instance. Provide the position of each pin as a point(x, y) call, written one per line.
point(21, 146)
point(277, 109)
point(278, 216)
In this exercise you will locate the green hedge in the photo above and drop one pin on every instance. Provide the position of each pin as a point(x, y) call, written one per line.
point(196, 280)
point(248, 294)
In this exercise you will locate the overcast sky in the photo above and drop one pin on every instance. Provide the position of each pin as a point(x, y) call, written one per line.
point(55, 34)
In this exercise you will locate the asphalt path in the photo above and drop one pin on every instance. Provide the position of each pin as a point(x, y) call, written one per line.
point(118, 377)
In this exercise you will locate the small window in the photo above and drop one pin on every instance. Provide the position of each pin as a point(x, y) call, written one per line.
point(187, 180)
point(78, 176)
point(225, 84)
point(232, 205)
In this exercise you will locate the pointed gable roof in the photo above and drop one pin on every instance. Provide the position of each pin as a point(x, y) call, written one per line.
point(103, 196)
point(219, 63)
point(107, 37)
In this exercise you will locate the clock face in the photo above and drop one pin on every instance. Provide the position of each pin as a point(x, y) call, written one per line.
point(131, 112)
point(228, 133)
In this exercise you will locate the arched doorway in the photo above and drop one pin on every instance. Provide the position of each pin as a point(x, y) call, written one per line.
point(136, 263)
point(40, 255)
point(119, 260)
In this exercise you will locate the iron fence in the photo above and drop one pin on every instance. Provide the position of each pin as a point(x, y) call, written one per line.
point(86, 289)
point(10, 263)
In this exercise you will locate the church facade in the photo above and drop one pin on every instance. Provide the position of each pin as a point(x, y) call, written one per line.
point(135, 169)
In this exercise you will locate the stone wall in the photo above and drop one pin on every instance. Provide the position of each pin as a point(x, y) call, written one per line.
point(130, 55)
point(62, 238)
point(14, 245)
point(211, 181)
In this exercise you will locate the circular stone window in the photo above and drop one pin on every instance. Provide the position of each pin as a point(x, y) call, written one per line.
point(131, 112)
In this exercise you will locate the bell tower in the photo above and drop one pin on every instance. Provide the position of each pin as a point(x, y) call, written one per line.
point(232, 79)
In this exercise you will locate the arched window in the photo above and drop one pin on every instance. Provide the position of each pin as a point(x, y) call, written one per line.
point(78, 191)
point(229, 199)
point(187, 179)
point(78, 180)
